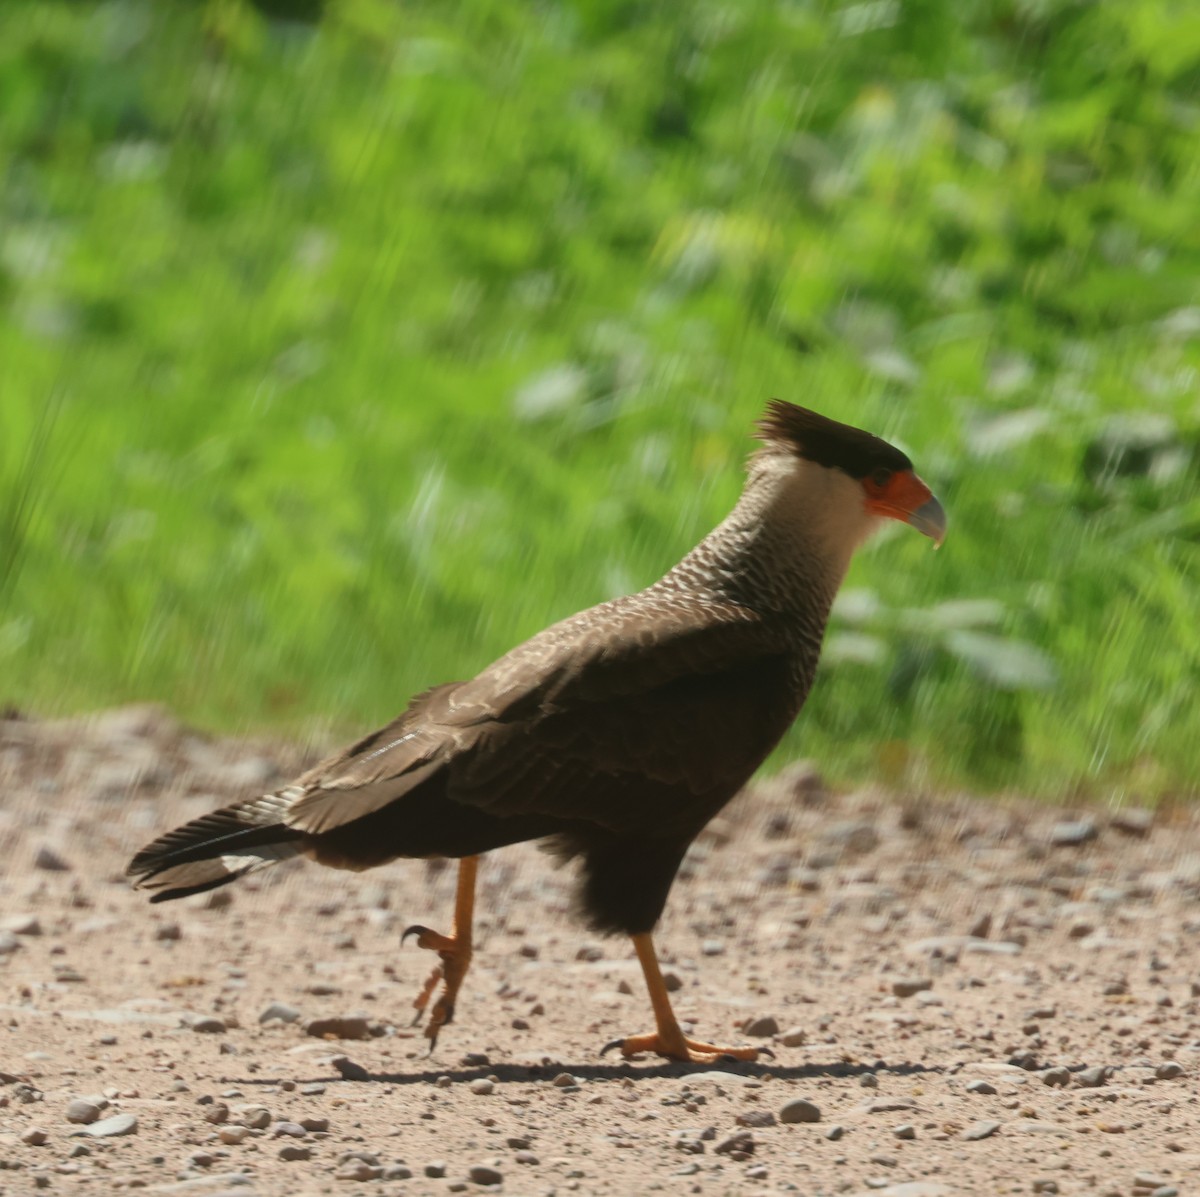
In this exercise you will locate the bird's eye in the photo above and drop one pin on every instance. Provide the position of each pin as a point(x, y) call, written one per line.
point(881, 477)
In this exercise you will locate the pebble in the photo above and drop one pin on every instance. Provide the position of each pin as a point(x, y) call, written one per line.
point(209, 1025)
point(397, 1172)
point(482, 1174)
point(835, 1132)
point(526, 1157)
point(800, 1110)
point(9, 943)
point(482, 1086)
point(436, 1169)
point(1168, 1070)
point(738, 1147)
point(907, 986)
point(1072, 832)
point(563, 1080)
point(279, 1010)
point(293, 1129)
point(982, 1087)
point(349, 1026)
point(255, 1117)
point(981, 1130)
point(1056, 1077)
point(359, 1171)
point(1133, 820)
point(905, 1131)
point(22, 924)
point(47, 858)
point(755, 1118)
point(762, 1027)
point(349, 1070)
point(216, 1113)
point(35, 1136)
point(83, 1110)
point(1092, 1078)
point(794, 1037)
point(107, 1128)
point(1045, 1185)
point(233, 1135)
point(294, 1151)
point(315, 1125)
point(168, 932)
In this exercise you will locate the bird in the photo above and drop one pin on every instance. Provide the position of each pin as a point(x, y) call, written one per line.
point(612, 737)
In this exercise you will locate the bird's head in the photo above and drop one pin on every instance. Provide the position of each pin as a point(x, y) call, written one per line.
point(858, 477)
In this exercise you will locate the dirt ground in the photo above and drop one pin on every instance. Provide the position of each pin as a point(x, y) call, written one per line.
point(968, 997)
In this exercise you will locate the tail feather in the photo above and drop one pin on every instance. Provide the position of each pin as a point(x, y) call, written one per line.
point(218, 848)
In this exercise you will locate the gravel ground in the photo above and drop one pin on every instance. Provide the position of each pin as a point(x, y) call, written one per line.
point(961, 998)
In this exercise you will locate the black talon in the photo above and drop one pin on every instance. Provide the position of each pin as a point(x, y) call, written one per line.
point(609, 1046)
point(415, 929)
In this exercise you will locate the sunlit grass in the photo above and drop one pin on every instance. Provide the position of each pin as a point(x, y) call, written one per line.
point(376, 346)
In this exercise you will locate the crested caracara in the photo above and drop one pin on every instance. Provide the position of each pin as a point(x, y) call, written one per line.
point(614, 736)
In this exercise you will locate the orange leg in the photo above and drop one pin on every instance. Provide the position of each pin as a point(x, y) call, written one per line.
point(669, 1040)
point(454, 950)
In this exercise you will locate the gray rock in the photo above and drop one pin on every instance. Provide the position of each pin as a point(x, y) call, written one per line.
point(83, 1111)
point(1133, 820)
point(209, 1025)
point(295, 1151)
point(1045, 1185)
point(397, 1172)
point(350, 1070)
point(755, 1118)
point(835, 1132)
point(980, 1087)
point(800, 1110)
point(981, 1130)
point(793, 1037)
point(279, 1010)
point(905, 1131)
point(108, 1128)
point(254, 1116)
point(359, 1171)
point(526, 1157)
point(22, 924)
point(34, 1136)
point(1093, 1078)
point(1059, 1077)
point(289, 1129)
point(47, 858)
point(481, 1086)
point(1072, 832)
point(436, 1169)
point(1168, 1070)
point(315, 1125)
point(482, 1174)
point(9, 943)
point(739, 1146)
point(233, 1135)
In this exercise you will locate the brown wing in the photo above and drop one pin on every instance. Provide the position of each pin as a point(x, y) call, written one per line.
point(637, 696)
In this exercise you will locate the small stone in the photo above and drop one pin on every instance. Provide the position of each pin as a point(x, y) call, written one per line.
point(868, 1080)
point(672, 982)
point(233, 1135)
point(1092, 1078)
point(481, 1174)
point(1165, 1191)
point(83, 1111)
point(295, 1151)
point(216, 1113)
point(22, 924)
point(1045, 1185)
point(793, 1037)
point(108, 1128)
point(397, 1172)
point(757, 1173)
point(755, 1118)
point(835, 1132)
point(800, 1110)
point(359, 1171)
point(351, 1026)
point(435, 1170)
point(1059, 1077)
point(712, 947)
point(526, 1157)
point(168, 932)
point(279, 1010)
point(9, 943)
point(1072, 832)
point(1168, 1070)
point(476, 1060)
point(255, 1117)
point(348, 1070)
point(315, 1125)
point(563, 1080)
point(981, 1130)
point(34, 1136)
point(739, 1146)
point(907, 986)
point(1133, 820)
point(47, 858)
point(980, 1087)
point(481, 1086)
point(590, 952)
point(762, 1027)
point(209, 1026)
point(292, 1129)
point(905, 1131)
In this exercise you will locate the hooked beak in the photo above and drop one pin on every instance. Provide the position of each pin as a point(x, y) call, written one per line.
point(905, 497)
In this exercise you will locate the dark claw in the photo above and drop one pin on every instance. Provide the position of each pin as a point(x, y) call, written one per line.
point(609, 1046)
point(415, 929)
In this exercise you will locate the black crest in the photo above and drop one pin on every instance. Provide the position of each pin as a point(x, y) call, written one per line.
point(819, 439)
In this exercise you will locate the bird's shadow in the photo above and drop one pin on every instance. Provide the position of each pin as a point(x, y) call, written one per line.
point(509, 1074)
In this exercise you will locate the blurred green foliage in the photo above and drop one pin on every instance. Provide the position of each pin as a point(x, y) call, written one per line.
point(342, 346)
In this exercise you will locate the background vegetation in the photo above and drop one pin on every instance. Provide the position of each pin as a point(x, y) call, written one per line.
point(342, 346)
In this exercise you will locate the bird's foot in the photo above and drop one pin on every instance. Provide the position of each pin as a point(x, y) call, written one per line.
point(682, 1047)
point(455, 957)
